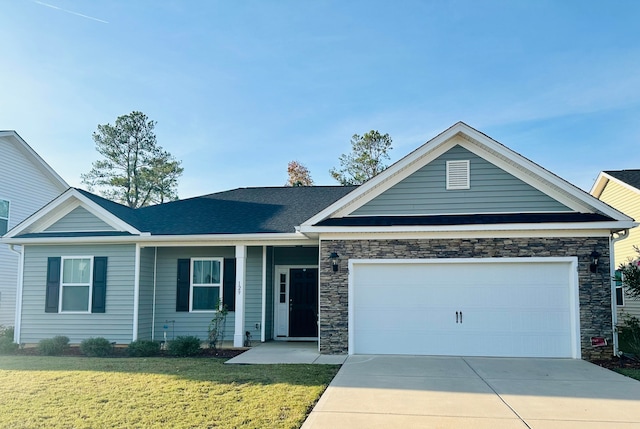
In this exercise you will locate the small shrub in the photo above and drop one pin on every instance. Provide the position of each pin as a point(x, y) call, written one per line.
point(629, 335)
point(143, 348)
point(7, 346)
point(53, 346)
point(184, 346)
point(6, 332)
point(96, 347)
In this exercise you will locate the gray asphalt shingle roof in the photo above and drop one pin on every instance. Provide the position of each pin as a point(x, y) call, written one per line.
point(630, 177)
point(238, 211)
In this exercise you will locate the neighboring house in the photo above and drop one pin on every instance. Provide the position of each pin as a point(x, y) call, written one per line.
point(621, 190)
point(463, 247)
point(26, 184)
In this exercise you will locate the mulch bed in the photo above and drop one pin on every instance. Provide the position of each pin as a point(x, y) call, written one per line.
point(120, 352)
point(617, 363)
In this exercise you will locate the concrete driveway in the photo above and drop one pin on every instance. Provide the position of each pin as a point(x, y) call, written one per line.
point(465, 392)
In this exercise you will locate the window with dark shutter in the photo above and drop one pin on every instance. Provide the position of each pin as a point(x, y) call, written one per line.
point(53, 285)
point(183, 285)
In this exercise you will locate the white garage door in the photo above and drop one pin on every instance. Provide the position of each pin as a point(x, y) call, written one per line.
point(486, 307)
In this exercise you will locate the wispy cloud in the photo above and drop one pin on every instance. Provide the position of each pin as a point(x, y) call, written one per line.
point(70, 11)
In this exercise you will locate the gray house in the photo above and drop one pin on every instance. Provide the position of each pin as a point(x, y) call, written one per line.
point(463, 247)
point(26, 184)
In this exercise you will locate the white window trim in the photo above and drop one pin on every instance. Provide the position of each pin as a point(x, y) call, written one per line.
point(8, 218)
point(192, 285)
point(457, 164)
point(624, 298)
point(62, 285)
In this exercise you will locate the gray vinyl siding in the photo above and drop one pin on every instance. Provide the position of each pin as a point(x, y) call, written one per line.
point(145, 304)
point(27, 189)
point(253, 293)
point(270, 304)
point(492, 191)
point(183, 322)
point(296, 256)
point(79, 219)
point(116, 324)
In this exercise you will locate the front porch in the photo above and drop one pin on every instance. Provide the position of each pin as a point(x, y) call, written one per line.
point(286, 352)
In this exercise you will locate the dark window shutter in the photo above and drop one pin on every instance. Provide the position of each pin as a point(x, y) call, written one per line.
point(184, 283)
point(229, 284)
point(53, 285)
point(99, 298)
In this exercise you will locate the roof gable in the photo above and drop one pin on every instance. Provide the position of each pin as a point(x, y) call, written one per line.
point(490, 190)
point(484, 147)
point(14, 138)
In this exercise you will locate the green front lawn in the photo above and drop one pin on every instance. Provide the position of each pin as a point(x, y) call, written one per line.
point(629, 372)
point(77, 392)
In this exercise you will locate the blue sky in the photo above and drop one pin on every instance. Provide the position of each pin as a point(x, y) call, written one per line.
point(240, 88)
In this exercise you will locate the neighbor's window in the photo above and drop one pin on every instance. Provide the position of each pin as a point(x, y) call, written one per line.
point(4, 216)
point(206, 283)
point(619, 289)
point(76, 284)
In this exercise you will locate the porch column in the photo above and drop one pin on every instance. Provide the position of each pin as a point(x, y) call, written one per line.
point(241, 263)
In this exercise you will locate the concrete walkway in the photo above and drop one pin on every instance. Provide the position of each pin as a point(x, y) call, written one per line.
point(456, 392)
point(286, 352)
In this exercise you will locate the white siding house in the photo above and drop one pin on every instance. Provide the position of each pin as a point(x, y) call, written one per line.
point(26, 184)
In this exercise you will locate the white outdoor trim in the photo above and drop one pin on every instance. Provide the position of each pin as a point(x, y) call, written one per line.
point(603, 179)
point(61, 206)
point(24, 147)
point(8, 213)
point(422, 235)
point(482, 145)
point(219, 285)
point(155, 283)
point(560, 226)
point(18, 316)
point(62, 285)
point(574, 298)
point(241, 266)
point(136, 295)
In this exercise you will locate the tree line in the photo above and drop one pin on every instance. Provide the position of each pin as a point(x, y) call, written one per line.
point(136, 171)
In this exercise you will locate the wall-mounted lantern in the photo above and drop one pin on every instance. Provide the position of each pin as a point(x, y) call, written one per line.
point(593, 267)
point(335, 261)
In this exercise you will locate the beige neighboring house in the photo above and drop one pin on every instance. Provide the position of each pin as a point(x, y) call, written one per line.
point(26, 184)
point(621, 190)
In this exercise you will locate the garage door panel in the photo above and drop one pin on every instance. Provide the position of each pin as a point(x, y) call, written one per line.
point(508, 309)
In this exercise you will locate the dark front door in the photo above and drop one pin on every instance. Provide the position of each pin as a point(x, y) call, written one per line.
point(303, 302)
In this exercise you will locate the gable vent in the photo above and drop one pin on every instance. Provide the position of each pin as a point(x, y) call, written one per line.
point(458, 174)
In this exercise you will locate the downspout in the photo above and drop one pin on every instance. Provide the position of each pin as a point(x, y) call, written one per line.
point(18, 317)
point(263, 320)
point(153, 308)
point(621, 235)
point(136, 294)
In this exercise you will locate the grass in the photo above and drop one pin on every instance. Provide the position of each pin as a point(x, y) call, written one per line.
point(77, 392)
point(629, 372)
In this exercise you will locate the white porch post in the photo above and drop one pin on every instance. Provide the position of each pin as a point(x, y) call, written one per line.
point(241, 263)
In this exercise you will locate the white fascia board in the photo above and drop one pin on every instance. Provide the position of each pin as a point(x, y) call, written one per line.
point(389, 177)
point(27, 150)
point(275, 239)
point(530, 172)
point(602, 181)
point(61, 206)
point(450, 235)
point(608, 226)
point(580, 197)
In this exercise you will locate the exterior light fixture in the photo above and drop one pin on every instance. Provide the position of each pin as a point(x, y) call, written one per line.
point(593, 267)
point(334, 260)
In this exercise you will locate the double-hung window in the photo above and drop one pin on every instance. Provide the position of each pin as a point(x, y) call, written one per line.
point(75, 284)
point(4, 216)
point(206, 284)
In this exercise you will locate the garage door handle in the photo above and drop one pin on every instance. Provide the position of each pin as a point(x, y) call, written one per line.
point(461, 317)
point(456, 317)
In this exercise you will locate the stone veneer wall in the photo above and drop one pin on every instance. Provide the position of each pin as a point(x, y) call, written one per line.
point(594, 289)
